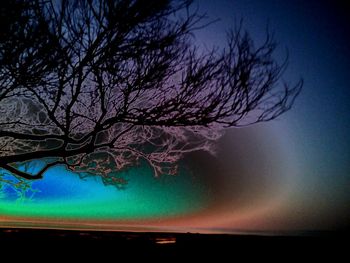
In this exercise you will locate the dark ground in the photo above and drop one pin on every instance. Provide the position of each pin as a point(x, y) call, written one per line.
point(172, 245)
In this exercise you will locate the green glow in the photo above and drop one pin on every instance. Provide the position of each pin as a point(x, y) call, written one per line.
point(62, 194)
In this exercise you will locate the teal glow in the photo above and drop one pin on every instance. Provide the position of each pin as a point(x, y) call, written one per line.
point(63, 194)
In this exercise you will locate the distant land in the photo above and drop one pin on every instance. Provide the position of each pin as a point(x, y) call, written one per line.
point(176, 244)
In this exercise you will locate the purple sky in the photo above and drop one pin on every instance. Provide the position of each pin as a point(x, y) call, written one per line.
point(315, 132)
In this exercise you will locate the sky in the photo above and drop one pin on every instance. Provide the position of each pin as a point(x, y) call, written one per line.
point(315, 132)
point(288, 175)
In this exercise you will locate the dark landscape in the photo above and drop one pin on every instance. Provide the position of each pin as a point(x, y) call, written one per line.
point(330, 244)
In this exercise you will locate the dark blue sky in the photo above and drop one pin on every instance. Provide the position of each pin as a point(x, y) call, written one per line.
point(316, 130)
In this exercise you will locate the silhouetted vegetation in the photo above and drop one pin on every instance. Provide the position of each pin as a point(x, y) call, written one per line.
point(98, 85)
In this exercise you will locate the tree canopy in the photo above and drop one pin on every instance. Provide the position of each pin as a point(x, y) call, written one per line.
point(99, 85)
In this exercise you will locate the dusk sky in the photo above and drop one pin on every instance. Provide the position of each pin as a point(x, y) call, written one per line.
point(290, 174)
point(314, 134)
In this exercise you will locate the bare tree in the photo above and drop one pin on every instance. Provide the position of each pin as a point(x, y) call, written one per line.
point(99, 85)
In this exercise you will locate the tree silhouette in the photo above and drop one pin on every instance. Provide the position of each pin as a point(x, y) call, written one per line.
point(100, 85)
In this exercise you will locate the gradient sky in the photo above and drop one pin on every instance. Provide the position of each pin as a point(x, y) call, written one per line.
point(291, 174)
point(315, 132)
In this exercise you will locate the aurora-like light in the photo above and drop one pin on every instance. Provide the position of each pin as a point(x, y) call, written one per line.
point(64, 195)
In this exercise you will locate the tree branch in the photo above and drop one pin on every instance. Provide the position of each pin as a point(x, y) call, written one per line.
point(33, 137)
point(28, 176)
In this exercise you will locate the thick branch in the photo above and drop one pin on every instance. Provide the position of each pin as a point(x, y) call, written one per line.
point(28, 176)
point(60, 152)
